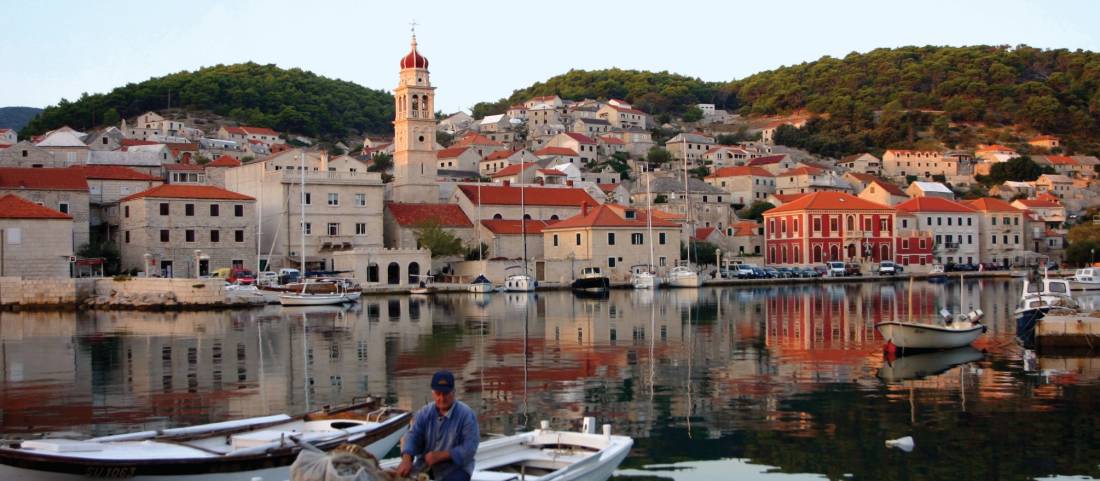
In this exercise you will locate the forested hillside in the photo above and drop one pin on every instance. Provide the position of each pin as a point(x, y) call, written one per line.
point(16, 117)
point(291, 100)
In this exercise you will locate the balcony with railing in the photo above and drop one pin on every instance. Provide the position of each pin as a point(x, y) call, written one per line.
point(329, 177)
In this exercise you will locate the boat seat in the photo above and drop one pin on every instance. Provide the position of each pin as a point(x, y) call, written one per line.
point(61, 445)
point(259, 438)
point(494, 476)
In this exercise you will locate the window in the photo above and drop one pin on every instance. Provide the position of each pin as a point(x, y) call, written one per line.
point(969, 239)
point(883, 224)
point(969, 221)
point(238, 211)
point(993, 220)
point(163, 208)
point(661, 238)
point(215, 236)
point(636, 239)
point(127, 236)
point(126, 211)
point(164, 235)
point(189, 235)
point(555, 240)
point(1016, 239)
point(610, 262)
point(360, 200)
point(833, 225)
point(610, 238)
point(63, 207)
point(1008, 221)
point(333, 199)
point(309, 199)
point(189, 210)
point(661, 261)
point(360, 228)
point(238, 236)
point(817, 225)
point(213, 210)
point(905, 244)
point(905, 223)
point(309, 228)
point(333, 228)
point(1015, 221)
point(1005, 239)
point(993, 239)
point(578, 239)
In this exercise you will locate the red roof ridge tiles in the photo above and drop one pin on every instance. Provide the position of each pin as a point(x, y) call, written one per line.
point(510, 195)
point(42, 179)
point(557, 151)
point(933, 204)
point(514, 227)
point(513, 169)
point(829, 201)
point(113, 172)
point(181, 191)
point(991, 204)
point(224, 161)
point(14, 207)
point(446, 215)
point(740, 170)
point(605, 216)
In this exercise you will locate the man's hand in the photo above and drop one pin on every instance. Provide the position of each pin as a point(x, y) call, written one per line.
point(405, 468)
point(436, 457)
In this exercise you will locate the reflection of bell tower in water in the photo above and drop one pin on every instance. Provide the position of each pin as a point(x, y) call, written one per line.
point(414, 161)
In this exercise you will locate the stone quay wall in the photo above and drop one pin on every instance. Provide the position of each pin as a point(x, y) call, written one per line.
point(111, 293)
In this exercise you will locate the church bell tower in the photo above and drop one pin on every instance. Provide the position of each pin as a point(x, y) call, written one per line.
point(414, 156)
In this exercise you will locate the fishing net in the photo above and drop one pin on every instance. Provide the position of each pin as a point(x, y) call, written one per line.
point(347, 462)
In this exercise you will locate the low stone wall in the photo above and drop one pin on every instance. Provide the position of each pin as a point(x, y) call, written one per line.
point(109, 293)
point(51, 292)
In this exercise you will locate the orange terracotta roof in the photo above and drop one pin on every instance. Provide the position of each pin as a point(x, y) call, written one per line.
point(411, 215)
point(1061, 160)
point(557, 151)
point(612, 140)
point(184, 167)
point(182, 191)
point(500, 154)
point(866, 178)
point(770, 159)
point(746, 228)
point(1039, 203)
point(702, 233)
point(42, 179)
point(451, 152)
point(553, 172)
point(133, 142)
point(15, 207)
point(248, 130)
point(604, 216)
point(473, 138)
point(801, 171)
point(1044, 137)
point(581, 138)
point(904, 151)
point(513, 169)
point(787, 198)
point(933, 204)
point(991, 204)
point(828, 201)
point(627, 110)
point(1049, 197)
point(995, 148)
point(608, 187)
point(224, 161)
point(890, 187)
point(739, 171)
point(112, 172)
point(510, 195)
point(514, 227)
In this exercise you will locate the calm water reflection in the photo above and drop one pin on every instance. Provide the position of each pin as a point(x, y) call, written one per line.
point(733, 383)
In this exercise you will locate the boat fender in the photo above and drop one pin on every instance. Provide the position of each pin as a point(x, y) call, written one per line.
point(904, 443)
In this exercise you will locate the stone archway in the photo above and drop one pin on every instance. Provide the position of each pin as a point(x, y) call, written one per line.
point(414, 272)
point(393, 274)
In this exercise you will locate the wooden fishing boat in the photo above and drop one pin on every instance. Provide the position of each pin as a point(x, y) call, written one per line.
point(549, 455)
point(254, 448)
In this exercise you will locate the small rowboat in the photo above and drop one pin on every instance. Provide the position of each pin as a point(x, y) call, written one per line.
point(254, 448)
point(549, 455)
point(949, 335)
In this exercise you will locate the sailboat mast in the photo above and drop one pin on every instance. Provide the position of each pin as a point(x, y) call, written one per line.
point(687, 194)
point(649, 217)
point(523, 218)
point(260, 226)
point(302, 171)
point(479, 219)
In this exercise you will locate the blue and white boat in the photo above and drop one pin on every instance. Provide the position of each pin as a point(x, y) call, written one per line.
point(1040, 298)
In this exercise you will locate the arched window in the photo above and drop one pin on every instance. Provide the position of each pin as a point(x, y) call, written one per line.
point(497, 217)
point(554, 217)
point(372, 272)
point(851, 223)
point(851, 251)
point(783, 251)
point(414, 273)
point(797, 259)
point(885, 253)
point(834, 253)
point(393, 274)
point(527, 216)
point(415, 104)
point(771, 255)
point(817, 253)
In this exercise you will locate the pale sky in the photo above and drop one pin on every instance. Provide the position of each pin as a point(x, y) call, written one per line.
point(484, 50)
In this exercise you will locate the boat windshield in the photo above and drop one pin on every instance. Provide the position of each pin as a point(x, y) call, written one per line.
point(1057, 287)
point(1033, 288)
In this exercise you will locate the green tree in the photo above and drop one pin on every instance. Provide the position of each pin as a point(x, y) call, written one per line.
point(699, 172)
point(381, 163)
point(472, 252)
point(443, 138)
point(1018, 169)
point(1080, 233)
point(1082, 253)
point(755, 211)
point(658, 155)
point(111, 117)
point(692, 114)
point(106, 250)
point(703, 253)
point(430, 235)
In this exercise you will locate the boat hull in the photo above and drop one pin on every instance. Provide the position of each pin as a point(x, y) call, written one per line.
point(312, 299)
point(16, 464)
point(907, 335)
point(1084, 286)
point(480, 288)
point(592, 284)
point(685, 280)
point(520, 283)
point(644, 281)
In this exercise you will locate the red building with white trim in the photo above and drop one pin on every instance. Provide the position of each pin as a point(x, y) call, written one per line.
point(829, 226)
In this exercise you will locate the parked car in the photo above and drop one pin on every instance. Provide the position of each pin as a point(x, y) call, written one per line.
point(759, 273)
point(888, 268)
point(771, 272)
point(822, 270)
point(811, 272)
point(836, 269)
point(745, 271)
point(852, 269)
point(267, 277)
point(786, 272)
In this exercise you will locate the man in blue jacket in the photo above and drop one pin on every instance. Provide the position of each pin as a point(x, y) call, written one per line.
point(444, 435)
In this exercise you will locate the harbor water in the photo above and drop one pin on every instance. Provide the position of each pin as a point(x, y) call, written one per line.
point(771, 383)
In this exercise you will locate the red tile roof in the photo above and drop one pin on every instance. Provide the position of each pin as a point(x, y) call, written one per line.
point(991, 204)
point(604, 216)
point(865, 178)
point(554, 172)
point(42, 179)
point(746, 228)
point(739, 171)
point(612, 140)
point(933, 204)
point(801, 171)
point(608, 187)
point(889, 187)
point(500, 154)
point(112, 172)
point(841, 201)
point(181, 191)
point(1036, 139)
point(1040, 203)
point(545, 196)
point(557, 151)
point(248, 130)
point(451, 152)
point(995, 148)
point(224, 161)
point(513, 169)
point(623, 109)
point(412, 215)
point(581, 138)
point(132, 142)
point(473, 138)
point(514, 227)
point(702, 233)
point(15, 207)
point(4, 146)
point(1049, 197)
point(771, 159)
point(1061, 160)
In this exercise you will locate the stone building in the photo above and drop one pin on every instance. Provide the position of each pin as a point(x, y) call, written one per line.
point(177, 230)
point(64, 190)
point(955, 227)
point(600, 237)
point(829, 226)
point(107, 185)
point(402, 220)
point(36, 241)
point(1001, 231)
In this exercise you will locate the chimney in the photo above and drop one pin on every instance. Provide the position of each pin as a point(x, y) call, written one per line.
point(507, 182)
point(584, 208)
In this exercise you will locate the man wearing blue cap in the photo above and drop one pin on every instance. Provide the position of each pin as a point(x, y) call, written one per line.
point(444, 435)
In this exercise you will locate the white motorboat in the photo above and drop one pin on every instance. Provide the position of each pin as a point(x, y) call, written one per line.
point(591, 280)
point(548, 455)
point(644, 280)
point(519, 281)
point(254, 448)
point(950, 334)
point(308, 297)
point(248, 292)
point(684, 276)
point(1040, 298)
point(1087, 279)
point(480, 285)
